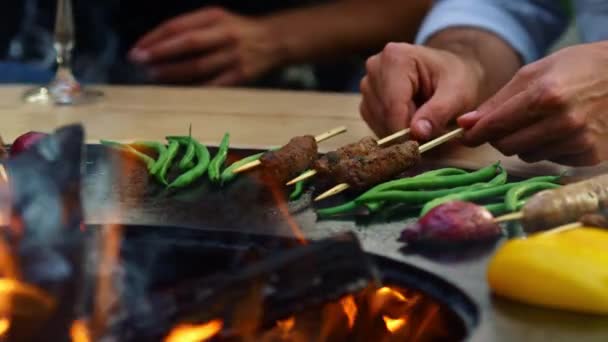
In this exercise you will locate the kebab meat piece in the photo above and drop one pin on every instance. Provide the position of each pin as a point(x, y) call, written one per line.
point(290, 160)
point(327, 164)
point(362, 172)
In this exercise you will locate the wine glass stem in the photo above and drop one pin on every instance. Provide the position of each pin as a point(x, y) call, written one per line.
point(64, 35)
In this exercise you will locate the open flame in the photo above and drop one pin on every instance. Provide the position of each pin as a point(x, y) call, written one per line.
point(79, 332)
point(350, 309)
point(5, 323)
point(281, 202)
point(195, 333)
point(394, 325)
point(285, 326)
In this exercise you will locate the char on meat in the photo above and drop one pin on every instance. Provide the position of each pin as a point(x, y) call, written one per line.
point(326, 165)
point(362, 172)
point(290, 160)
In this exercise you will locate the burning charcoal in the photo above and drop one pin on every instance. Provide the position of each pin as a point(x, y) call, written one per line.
point(276, 287)
point(46, 216)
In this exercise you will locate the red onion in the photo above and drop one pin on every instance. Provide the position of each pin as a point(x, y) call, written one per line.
point(25, 141)
point(452, 223)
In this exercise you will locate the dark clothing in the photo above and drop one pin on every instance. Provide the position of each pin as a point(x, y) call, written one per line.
point(107, 29)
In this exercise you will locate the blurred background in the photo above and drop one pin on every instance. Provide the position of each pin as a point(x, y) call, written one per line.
point(107, 29)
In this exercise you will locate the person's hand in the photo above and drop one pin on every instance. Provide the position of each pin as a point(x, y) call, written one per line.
point(210, 46)
point(554, 109)
point(418, 86)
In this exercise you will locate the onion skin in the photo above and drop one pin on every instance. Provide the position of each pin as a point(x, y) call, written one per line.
point(455, 222)
point(26, 141)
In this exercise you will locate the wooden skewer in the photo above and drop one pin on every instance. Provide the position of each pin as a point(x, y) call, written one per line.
point(319, 138)
point(562, 229)
point(423, 148)
point(519, 215)
point(509, 217)
point(311, 173)
point(393, 136)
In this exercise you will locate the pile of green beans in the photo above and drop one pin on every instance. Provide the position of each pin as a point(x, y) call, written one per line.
point(195, 161)
point(433, 188)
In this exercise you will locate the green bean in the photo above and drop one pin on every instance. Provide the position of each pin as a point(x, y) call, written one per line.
point(171, 153)
point(228, 173)
point(203, 157)
point(141, 156)
point(186, 161)
point(411, 196)
point(501, 178)
point(500, 208)
point(218, 161)
point(339, 209)
point(434, 181)
point(516, 193)
point(448, 171)
point(375, 207)
point(297, 191)
point(480, 194)
point(159, 147)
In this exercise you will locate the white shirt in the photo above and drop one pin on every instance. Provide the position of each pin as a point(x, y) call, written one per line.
point(529, 26)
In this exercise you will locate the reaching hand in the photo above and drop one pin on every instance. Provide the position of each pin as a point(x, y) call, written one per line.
point(211, 46)
point(554, 109)
point(418, 86)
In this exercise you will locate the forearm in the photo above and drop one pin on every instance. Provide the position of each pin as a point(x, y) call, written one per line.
point(495, 59)
point(343, 27)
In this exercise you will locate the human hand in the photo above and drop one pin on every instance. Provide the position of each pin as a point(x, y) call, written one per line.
point(418, 86)
point(554, 109)
point(211, 46)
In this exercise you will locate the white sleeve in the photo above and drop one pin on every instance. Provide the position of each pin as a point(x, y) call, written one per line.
point(529, 26)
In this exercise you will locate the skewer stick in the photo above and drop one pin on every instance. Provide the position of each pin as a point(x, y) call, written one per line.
point(519, 215)
point(423, 148)
point(393, 136)
point(311, 173)
point(562, 229)
point(509, 217)
point(304, 176)
point(319, 138)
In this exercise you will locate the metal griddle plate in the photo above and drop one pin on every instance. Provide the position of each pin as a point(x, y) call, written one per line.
point(247, 206)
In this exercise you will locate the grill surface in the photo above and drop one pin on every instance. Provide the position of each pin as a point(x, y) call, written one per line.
point(247, 207)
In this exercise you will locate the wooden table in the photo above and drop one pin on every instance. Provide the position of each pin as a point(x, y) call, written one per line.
point(255, 118)
point(263, 118)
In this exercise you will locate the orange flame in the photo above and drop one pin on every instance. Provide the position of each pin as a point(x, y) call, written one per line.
point(350, 309)
point(4, 325)
point(79, 332)
point(393, 324)
point(285, 326)
point(195, 333)
point(278, 196)
point(106, 297)
point(387, 291)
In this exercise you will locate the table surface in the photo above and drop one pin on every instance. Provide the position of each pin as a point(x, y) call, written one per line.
point(255, 118)
point(263, 118)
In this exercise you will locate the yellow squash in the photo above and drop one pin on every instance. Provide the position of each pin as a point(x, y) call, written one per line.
point(567, 270)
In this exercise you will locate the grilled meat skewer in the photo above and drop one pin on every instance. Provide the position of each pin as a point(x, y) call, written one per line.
point(290, 160)
point(422, 149)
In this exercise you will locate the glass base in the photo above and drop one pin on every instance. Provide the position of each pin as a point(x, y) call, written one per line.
point(64, 90)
